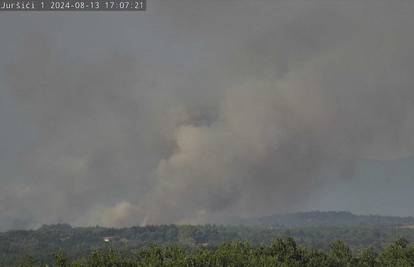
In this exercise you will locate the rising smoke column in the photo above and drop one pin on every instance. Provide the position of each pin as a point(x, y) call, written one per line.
point(234, 123)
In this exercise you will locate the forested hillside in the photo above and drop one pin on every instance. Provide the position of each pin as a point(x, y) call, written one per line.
point(281, 252)
point(43, 244)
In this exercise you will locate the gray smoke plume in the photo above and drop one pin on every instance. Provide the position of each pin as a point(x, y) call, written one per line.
point(196, 112)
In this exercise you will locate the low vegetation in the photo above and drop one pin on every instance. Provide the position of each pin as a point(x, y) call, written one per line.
point(295, 240)
point(279, 253)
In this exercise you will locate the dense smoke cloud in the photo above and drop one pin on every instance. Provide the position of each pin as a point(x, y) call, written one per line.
point(236, 112)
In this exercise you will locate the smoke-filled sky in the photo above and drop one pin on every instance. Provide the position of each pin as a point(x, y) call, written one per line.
point(201, 111)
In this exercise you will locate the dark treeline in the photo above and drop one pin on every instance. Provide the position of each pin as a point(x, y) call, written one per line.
point(281, 252)
point(41, 245)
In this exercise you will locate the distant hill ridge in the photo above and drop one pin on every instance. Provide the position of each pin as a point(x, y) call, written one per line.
point(327, 219)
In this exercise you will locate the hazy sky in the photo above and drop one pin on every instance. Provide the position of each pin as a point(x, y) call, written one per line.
point(196, 111)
